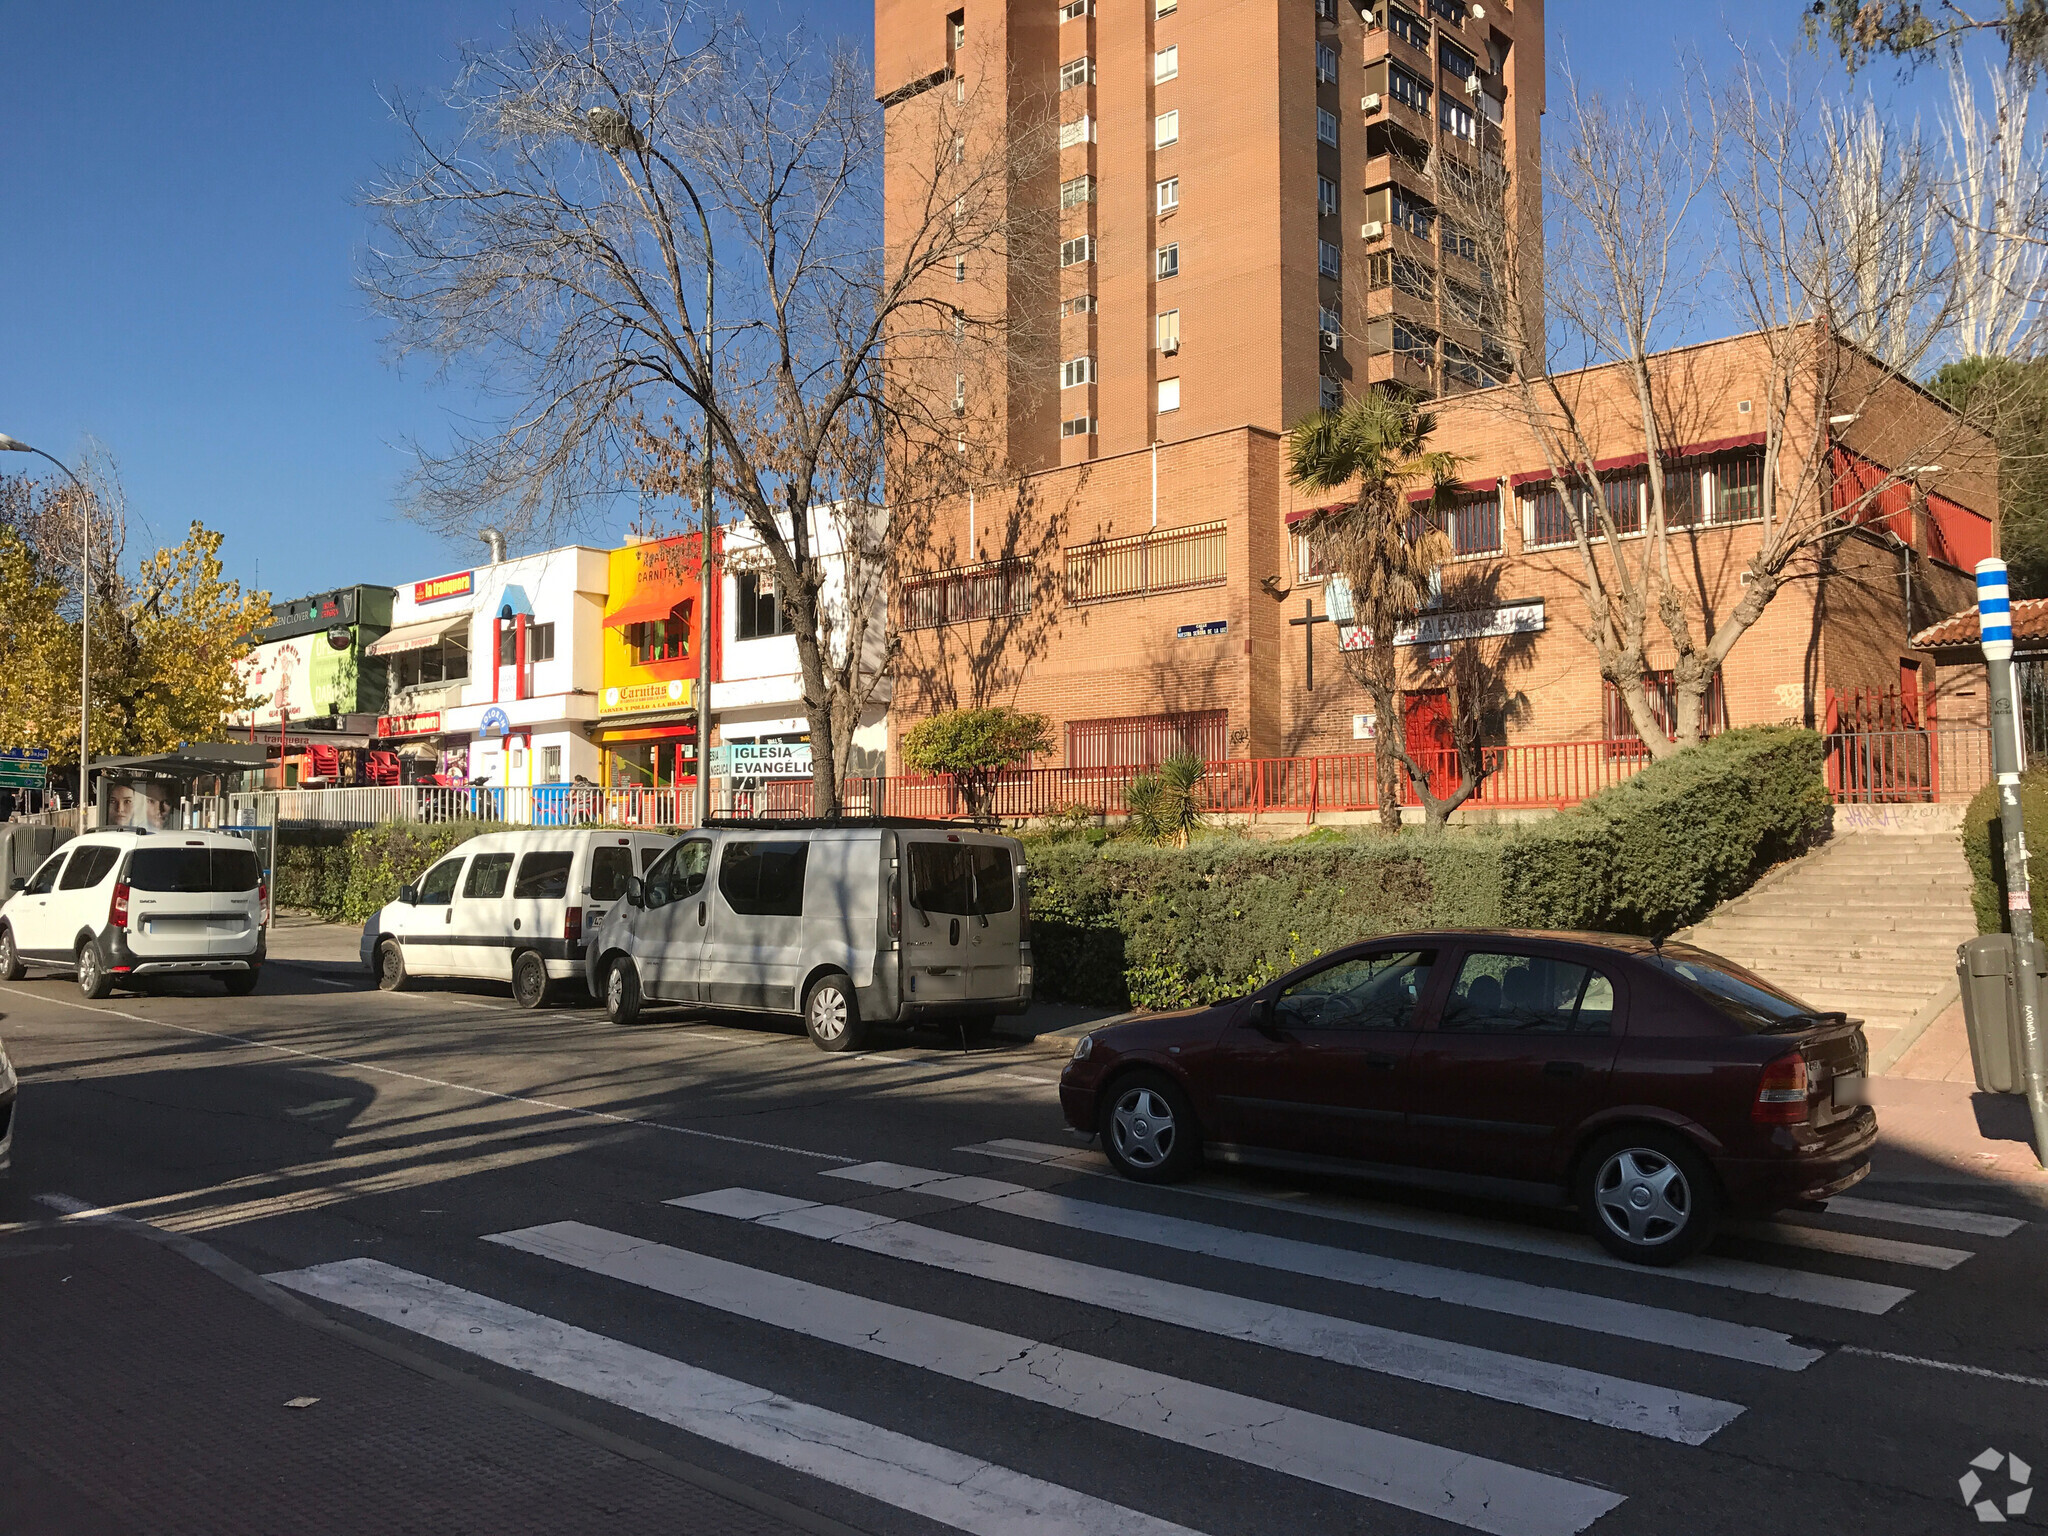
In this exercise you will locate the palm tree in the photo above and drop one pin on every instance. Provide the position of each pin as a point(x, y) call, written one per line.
point(1386, 548)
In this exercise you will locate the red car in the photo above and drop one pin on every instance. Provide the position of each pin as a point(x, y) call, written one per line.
point(1651, 1085)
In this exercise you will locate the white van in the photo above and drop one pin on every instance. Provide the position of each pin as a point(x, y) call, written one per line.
point(847, 926)
point(508, 906)
point(126, 904)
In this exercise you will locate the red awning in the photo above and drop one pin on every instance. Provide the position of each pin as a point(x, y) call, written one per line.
point(647, 604)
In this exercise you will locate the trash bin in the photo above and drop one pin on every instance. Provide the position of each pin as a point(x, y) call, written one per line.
point(1991, 1010)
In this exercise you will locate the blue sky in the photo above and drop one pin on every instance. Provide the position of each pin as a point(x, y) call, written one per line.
point(180, 237)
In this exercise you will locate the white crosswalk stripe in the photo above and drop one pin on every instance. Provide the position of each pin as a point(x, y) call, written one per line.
point(1561, 1389)
point(1432, 1282)
point(1451, 1485)
point(1981, 1223)
point(1731, 1274)
point(965, 1492)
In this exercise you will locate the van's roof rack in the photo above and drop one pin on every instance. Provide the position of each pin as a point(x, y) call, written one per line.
point(824, 823)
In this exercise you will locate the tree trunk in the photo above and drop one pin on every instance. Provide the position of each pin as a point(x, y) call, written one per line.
point(1387, 754)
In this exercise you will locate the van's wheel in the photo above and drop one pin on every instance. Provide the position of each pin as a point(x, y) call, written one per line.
point(1148, 1129)
point(11, 968)
point(529, 979)
point(391, 975)
point(1647, 1196)
point(93, 979)
point(240, 983)
point(621, 991)
point(832, 1014)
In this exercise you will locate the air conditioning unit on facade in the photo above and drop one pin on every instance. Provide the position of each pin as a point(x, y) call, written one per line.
point(1372, 229)
point(1472, 83)
point(1170, 347)
point(1369, 102)
point(1330, 341)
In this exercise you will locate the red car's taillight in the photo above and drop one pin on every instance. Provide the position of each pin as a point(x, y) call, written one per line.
point(117, 909)
point(572, 924)
point(1781, 1092)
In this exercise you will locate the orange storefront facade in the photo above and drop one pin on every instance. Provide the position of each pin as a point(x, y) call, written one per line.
point(646, 713)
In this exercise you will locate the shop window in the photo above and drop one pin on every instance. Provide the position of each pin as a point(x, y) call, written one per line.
point(760, 614)
point(654, 764)
point(431, 665)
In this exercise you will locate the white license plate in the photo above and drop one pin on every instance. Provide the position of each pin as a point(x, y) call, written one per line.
point(1849, 1090)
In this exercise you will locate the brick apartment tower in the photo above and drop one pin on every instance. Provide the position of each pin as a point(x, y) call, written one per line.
point(1244, 199)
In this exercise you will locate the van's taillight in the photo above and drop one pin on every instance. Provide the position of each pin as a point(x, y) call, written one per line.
point(572, 924)
point(262, 900)
point(1781, 1093)
point(117, 909)
point(895, 906)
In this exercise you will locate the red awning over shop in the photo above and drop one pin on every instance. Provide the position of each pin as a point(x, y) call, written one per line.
point(648, 603)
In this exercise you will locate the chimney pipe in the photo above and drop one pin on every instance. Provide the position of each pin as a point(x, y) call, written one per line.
point(495, 541)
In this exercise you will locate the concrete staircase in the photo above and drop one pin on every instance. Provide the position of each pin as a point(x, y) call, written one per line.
point(1868, 923)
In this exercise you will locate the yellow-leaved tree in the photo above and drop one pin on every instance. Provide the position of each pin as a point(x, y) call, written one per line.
point(38, 654)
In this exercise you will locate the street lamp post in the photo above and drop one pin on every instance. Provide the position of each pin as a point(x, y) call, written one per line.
point(8, 444)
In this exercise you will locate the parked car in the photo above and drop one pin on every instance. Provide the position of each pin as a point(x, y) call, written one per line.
point(9, 1090)
point(1652, 1085)
point(123, 905)
point(507, 906)
point(846, 926)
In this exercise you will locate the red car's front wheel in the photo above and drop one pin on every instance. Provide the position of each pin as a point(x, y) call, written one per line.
point(1148, 1129)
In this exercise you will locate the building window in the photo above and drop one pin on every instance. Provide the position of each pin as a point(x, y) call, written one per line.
point(1077, 426)
point(540, 644)
point(1330, 320)
point(1416, 343)
point(1406, 88)
point(1166, 64)
point(1462, 366)
point(1166, 129)
point(1327, 256)
point(1452, 11)
point(1454, 59)
point(1456, 119)
point(1326, 127)
point(1076, 371)
point(1739, 489)
point(1079, 304)
point(959, 269)
point(1074, 10)
point(1410, 29)
point(1456, 244)
point(1165, 7)
point(1326, 64)
point(1076, 132)
point(1624, 497)
point(1076, 251)
point(956, 29)
point(1077, 192)
point(1411, 213)
point(1169, 395)
point(1331, 394)
point(999, 589)
point(1326, 196)
point(1167, 326)
point(1169, 560)
point(1663, 691)
point(959, 394)
point(1169, 194)
point(1145, 741)
point(959, 154)
point(1169, 260)
point(1077, 72)
point(430, 666)
point(759, 614)
point(662, 639)
point(1475, 525)
point(1546, 520)
point(1412, 277)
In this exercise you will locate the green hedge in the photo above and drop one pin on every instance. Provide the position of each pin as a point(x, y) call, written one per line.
point(1984, 847)
point(347, 877)
point(1664, 849)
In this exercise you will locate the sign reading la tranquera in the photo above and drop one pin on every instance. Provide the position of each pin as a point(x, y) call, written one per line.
point(1521, 618)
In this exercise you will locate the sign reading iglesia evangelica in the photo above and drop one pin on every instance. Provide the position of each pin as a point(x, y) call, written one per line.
point(1523, 618)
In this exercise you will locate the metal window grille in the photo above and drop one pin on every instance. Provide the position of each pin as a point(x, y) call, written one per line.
point(1549, 520)
point(1624, 497)
point(1663, 691)
point(1739, 489)
point(1682, 503)
point(1144, 741)
point(1475, 526)
point(1141, 565)
point(998, 589)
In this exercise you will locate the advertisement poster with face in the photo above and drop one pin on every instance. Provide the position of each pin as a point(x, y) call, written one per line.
point(138, 805)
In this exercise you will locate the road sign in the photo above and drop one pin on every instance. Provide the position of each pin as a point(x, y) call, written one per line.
point(24, 754)
point(15, 774)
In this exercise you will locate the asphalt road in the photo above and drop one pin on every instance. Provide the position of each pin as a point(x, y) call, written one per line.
point(704, 1249)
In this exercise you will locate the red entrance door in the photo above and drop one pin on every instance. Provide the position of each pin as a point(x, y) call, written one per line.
point(1430, 740)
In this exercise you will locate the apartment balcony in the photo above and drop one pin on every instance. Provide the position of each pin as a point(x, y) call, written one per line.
point(1380, 44)
point(1400, 171)
point(1395, 238)
point(1401, 371)
point(1396, 303)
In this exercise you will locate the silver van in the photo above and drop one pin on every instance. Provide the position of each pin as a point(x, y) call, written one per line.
point(847, 926)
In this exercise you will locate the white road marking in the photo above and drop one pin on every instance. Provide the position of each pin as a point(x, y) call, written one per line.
point(1404, 1277)
point(960, 1491)
point(436, 1082)
point(314, 1111)
point(1409, 1474)
point(1730, 1274)
point(328, 981)
point(1977, 1222)
point(1943, 1365)
point(1561, 1389)
point(1855, 1245)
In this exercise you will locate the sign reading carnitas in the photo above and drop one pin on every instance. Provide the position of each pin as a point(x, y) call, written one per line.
point(668, 695)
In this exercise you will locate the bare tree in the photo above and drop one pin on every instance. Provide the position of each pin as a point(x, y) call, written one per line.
point(609, 185)
point(1996, 213)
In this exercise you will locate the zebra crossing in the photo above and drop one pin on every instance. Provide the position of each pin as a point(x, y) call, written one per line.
point(1435, 1327)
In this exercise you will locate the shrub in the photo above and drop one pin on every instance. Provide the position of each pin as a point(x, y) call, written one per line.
point(1984, 847)
point(1165, 803)
point(347, 877)
point(1667, 847)
point(976, 746)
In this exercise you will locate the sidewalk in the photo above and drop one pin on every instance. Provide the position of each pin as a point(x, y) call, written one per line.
point(1934, 1127)
point(147, 1395)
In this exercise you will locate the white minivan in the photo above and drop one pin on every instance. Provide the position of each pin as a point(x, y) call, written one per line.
point(508, 906)
point(126, 904)
point(846, 926)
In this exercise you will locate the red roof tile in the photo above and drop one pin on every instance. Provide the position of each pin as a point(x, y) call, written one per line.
point(1959, 630)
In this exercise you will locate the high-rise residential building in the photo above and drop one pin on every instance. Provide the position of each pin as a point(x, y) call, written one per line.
point(1245, 210)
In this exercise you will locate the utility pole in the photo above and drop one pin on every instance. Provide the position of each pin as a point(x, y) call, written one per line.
point(2008, 757)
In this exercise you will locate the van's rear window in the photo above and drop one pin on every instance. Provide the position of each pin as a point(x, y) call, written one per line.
point(193, 869)
point(961, 879)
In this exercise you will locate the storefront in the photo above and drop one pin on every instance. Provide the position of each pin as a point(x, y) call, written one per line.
point(426, 656)
point(318, 689)
point(646, 711)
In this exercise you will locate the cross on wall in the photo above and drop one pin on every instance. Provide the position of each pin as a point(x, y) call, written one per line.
point(1307, 625)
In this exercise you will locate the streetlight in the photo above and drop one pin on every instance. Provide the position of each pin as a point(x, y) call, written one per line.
point(8, 444)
